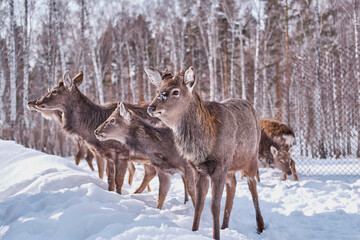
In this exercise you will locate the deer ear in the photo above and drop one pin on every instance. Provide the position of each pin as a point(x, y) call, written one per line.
point(154, 76)
point(274, 151)
point(190, 78)
point(77, 80)
point(67, 79)
point(124, 113)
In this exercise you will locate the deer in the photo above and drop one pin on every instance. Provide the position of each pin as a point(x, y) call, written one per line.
point(82, 150)
point(284, 136)
point(216, 138)
point(157, 143)
point(271, 156)
point(80, 117)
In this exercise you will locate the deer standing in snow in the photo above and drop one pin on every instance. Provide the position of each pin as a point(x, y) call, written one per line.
point(217, 139)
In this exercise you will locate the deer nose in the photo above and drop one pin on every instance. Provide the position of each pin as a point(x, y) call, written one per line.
point(151, 109)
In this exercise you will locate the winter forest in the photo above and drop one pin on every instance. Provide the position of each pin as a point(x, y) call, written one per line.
point(297, 61)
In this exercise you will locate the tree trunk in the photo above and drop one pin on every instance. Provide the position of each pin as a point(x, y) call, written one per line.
point(98, 75)
point(232, 79)
point(256, 64)
point(50, 47)
point(265, 108)
point(318, 114)
point(12, 63)
point(278, 94)
point(60, 42)
point(2, 92)
point(26, 66)
point(83, 64)
point(242, 64)
point(131, 73)
point(226, 85)
point(287, 66)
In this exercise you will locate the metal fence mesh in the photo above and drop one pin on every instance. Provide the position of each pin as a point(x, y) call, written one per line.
point(324, 105)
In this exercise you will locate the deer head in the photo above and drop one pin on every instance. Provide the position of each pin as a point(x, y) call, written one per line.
point(116, 126)
point(174, 94)
point(282, 160)
point(60, 95)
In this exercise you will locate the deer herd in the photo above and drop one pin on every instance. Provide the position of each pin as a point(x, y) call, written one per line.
point(206, 142)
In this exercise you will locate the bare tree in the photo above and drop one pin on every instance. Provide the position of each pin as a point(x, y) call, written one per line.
point(26, 65)
point(12, 63)
point(59, 38)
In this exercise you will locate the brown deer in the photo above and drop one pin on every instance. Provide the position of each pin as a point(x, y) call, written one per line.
point(81, 148)
point(271, 156)
point(156, 143)
point(80, 117)
point(282, 135)
point(217, 139)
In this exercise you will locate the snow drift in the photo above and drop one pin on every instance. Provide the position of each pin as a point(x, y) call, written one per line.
point(49, 197)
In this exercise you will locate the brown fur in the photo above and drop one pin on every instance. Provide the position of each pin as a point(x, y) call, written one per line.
point(81, 117)
point(277, 131)
point(82, 150)
point(156, 143)
point(217, 139)
point(266, 158)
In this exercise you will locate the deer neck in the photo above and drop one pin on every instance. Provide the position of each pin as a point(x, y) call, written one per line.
point(143, 137)
point(82, 116)
point(195, 135)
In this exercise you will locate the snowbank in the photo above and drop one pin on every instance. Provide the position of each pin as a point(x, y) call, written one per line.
point(49, 197)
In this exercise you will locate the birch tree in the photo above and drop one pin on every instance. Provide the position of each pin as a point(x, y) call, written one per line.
point(96, 64)
point(59, 38)
point(210, 41)
point(83, 65)
point(12, 63)
point(256, 58)
point(230, 11)
point(26, 64)
point(2, 91)
point(50, 46)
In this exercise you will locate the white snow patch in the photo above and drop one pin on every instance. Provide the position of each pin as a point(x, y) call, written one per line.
point(49, 197)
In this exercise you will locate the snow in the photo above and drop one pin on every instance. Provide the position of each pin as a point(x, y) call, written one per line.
point(48, 197)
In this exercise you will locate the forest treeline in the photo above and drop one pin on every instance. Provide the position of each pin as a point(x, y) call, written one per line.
point(295, 60)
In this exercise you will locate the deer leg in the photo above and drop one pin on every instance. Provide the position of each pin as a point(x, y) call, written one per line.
point(217, 188)
point(257, 175)
point(186, 197)
point(242, 174)
point(164, 182)
point(80, 153)
point(110, 167)
point(230, 194)
point(190, 183)
point(89, 158)
point(120, 171)
point(149, 174)
point(131, 168)
point(202, 187)
point(293, 170)
point(101, 165)
point(259, 220)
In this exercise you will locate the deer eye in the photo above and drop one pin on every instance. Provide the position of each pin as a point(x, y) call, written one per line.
point(175, 92)
point(112, 121)
point(54, 91)
point(282, 161)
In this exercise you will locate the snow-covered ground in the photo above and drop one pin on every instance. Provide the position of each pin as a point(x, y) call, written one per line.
point(49, 197)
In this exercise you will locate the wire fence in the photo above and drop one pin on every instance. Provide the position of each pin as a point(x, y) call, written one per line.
point(324, 110)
